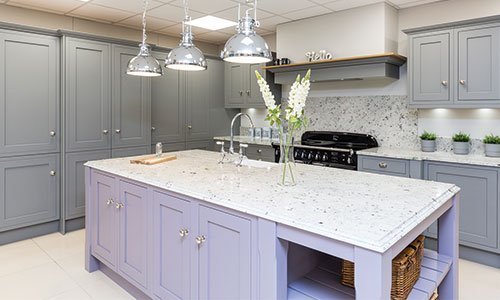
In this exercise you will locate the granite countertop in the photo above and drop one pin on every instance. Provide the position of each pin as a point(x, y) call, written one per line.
point(247, 140)
point(366, 210)
point(471, 159)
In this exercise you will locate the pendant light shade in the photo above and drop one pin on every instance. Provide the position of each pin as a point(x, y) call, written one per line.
point(186, 56)
point(144, 64)
point(246, 46)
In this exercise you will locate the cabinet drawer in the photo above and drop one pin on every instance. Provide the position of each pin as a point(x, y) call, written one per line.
point(382, 165)
point(260, 152)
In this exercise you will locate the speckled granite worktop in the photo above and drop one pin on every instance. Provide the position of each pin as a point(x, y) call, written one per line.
point(472, 159)
point(366, 210)
point(247, 140)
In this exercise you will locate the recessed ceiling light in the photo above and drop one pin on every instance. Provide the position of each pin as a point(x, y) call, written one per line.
point(212, 23)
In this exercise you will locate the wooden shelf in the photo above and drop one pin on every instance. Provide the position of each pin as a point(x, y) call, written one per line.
point(324, 281)
point(349, 68)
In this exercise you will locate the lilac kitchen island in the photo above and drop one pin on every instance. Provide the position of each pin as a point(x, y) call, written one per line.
point(195, 229)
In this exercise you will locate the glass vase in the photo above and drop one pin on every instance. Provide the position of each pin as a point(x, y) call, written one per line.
point(287, 176)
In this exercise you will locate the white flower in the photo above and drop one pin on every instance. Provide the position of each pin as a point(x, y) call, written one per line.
point(297, 98)
point(266, 94)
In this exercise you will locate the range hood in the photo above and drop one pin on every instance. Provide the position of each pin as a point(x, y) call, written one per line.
point(350, 68)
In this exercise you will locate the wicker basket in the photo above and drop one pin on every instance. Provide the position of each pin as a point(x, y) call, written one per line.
point(405, 270)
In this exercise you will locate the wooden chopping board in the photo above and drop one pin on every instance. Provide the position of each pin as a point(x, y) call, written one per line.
point(152, 159)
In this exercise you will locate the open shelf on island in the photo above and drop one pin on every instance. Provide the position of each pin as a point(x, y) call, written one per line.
point(324, 281)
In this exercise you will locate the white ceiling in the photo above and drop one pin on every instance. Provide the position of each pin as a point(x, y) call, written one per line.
point(164, 16)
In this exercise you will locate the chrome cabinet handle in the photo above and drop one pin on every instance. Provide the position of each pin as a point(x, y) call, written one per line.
point(110, 201)
point(200, 239)
point(118, 130)
point(105, 131)
point(52, 133)
point(190, 127)
point(462, 82)
point(153, 128)
point(248, 92)
point(259, 150)
point(241, 93)
point(444, 83)
point(52, 173)
point(382, 165)
point(183, 232)
point(119, 205)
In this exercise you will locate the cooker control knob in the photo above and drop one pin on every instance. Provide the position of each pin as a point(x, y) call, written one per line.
point(310, 156)
point(303, 155)
point(325, 157)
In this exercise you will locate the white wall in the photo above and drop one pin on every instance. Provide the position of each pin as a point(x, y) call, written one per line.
point(23, 16)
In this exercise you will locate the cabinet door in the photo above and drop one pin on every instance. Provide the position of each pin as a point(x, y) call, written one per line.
point(104, 224)
point(29, 191)
point(88, 95)
point(225, 258)
point(172, 246)
point(235, 86)
point(430, 68)
point(198, 104)
point(167, 107)
point(131, 102)
point(478, 201)
point(29, 94)
point(254, 96)
point(133, 245)
point(479, 64)
point(74, 197)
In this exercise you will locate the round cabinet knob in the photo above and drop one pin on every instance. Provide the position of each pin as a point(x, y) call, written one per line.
point(382, 165)
point(248, 93)
point(462, 82)
point(190, 127)
point(200, 239)
point(241, 93)
point(183, 232)
point(105, 131)
point(444, 83)
point(119, 205)
point(52, 133)
point(259, 150)
point(153, 128)
point(109, 201)
point(52, 173)
point(118, 130)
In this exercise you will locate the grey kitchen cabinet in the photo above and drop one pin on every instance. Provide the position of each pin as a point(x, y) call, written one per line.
point(198, 86)
point(241, 88)
point(478, 64)
point(131, 102)
point(455, 65)
point(168, 117)
point(29, 97)
point(391, 166)
point(260, 152)
point(479, 201)
point(30, 190)
point(134, 151)
point(430, 73)
point(88, 95)
point(74, 197)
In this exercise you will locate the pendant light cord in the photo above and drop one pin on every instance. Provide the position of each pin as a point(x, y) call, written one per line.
point(144, 35)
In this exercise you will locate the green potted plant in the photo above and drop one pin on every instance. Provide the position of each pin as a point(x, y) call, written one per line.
point(492, 145)
point(461, 143)
point(428, 140)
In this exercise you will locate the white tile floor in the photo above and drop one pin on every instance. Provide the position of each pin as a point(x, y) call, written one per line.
point(52, 267)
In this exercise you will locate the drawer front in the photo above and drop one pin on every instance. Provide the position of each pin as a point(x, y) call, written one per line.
point(382, 165)
point(260, 152)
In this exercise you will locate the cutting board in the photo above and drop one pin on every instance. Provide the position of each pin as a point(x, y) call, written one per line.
point(152, 159)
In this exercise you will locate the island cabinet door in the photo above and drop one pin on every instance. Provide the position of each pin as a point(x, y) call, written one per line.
point(104, 235)
point(172, 243)
point(133, 237)
point(225, 255)
point(478, 201)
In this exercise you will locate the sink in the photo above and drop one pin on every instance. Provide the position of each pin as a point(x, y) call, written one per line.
point(257, 164)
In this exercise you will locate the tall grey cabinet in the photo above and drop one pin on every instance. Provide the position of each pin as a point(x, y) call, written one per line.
point(188, 107)
point(106, 114)
point(29, 133)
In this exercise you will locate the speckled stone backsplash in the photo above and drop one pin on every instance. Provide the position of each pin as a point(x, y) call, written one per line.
point(387, 118)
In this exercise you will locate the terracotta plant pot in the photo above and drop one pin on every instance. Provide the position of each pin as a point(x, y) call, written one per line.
point(462, 148)
point(428, 146)
point(492, 150)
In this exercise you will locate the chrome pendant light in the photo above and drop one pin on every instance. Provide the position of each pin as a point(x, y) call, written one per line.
point(144, 64)
point(247, 46)
point(186, 56)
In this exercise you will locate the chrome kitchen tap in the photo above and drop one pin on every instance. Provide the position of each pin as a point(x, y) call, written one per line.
point(231, 141)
